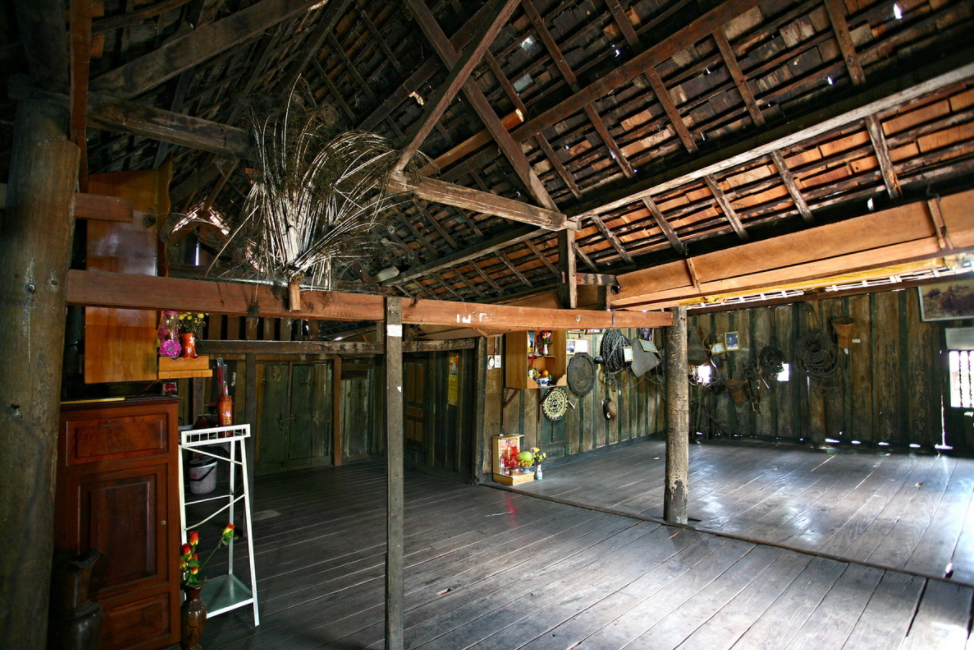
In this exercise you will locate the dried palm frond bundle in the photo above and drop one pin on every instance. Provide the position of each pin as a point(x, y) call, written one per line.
point(318, 194)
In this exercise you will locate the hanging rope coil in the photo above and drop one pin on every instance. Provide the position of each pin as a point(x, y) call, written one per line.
point(771, 359)
point(817, 357)
point(612, 352)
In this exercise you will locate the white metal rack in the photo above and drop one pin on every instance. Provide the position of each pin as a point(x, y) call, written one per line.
point(226, 592)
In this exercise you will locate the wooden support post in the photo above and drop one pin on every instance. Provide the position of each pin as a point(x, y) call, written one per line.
point(677, 420)
point(480, 408)
point(35, 249)
point(250, 416)
point(567, 290)
point(395, 589)
point(336, 412)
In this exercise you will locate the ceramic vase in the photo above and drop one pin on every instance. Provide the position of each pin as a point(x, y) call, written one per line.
point(189, 345)
point(193, 617)
point(537, 472)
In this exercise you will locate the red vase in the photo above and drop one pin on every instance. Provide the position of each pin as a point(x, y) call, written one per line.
point(189, 345)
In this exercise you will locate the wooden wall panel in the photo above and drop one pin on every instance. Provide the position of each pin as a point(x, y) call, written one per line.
point(585, 428)
point(892, 379)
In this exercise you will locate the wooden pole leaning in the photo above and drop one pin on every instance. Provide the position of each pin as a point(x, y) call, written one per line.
point(35, 251)
point(395, 586)
point(677, 420)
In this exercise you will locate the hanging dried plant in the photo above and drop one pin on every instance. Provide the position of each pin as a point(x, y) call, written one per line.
point(318, 194)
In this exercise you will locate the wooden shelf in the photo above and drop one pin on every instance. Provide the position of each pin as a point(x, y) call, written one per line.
point(517, 360)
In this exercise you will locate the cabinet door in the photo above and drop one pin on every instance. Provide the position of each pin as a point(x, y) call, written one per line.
point(123, 514)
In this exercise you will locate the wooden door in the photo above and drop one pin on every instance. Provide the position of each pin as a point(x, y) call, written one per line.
point(414, 385)
point(294, 411)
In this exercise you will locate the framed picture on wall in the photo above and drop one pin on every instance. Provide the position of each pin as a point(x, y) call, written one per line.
point(570, 346)
point(950, 300)
point(581, 346)
point(731, 342)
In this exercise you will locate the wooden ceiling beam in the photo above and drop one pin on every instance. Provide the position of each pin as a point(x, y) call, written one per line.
point(513, 269)
point(332, 13)
point(643, 62)
point(101, 289)
point(664, 225)
point(730, 59)
point(725, 205)
point(881, 97)
point(460, 72)
point(167, 61)
point(544, 258)
point(836, 11)
point(881, 147)
point(537, 21)
point(479, 271)
point(898, 235)
point(423, 73)
point(577, 250)
point(468, 254)
point(478, 201)
point(789, 180)
point(672, 114)
point(611, 238)
point(512, 151)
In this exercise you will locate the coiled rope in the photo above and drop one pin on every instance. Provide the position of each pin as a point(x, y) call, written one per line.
point(817, 356)
point(612, 352)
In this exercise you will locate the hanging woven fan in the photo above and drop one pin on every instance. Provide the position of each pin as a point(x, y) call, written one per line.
point(555, 404)
point(581, 374)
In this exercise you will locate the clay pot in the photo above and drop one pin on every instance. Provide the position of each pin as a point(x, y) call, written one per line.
point(843, 330)
point(193, 617)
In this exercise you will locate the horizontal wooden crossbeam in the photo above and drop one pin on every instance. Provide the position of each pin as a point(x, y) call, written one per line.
point(100, 289)
point(327, 347)
point(478, 201)
point(899, 235)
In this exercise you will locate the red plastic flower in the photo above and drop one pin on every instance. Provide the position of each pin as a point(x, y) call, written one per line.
point(194, 570)
point(194, 538)
point(186, 550)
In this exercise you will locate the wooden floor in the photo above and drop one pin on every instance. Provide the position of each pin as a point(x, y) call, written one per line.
point(911, 512)
point(487, 568)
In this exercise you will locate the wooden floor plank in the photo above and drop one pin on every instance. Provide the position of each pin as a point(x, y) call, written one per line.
point(496, 570)
point(830, 625)
point(724, 629)
point(886, 619)
point(781, 622)
point(903, 511)
point(942, 619)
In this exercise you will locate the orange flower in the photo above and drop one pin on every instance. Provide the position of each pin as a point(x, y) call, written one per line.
point(194, 570)
point(186, 550)
point(196, 557)
point(194, 538)
point(182, 566)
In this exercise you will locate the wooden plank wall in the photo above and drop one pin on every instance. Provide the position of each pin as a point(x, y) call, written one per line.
point(893, 378)
point(585, 429)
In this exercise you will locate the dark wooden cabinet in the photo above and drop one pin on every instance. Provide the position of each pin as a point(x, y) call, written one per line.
point(117, 491)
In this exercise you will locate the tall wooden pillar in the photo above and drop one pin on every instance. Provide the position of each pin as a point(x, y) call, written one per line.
point(35, 250)
point(677, 420)
point(568, 289)
point(395, 586)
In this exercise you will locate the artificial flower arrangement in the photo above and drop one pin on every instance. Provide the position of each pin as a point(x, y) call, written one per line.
point(192, 322)
point(189, 560)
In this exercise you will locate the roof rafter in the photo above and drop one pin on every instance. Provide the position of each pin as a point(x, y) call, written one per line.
point(150, 70)
point(512, 151)
point(463, 66)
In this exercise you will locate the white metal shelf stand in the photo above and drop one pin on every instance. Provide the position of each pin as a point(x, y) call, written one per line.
point(226, 592)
